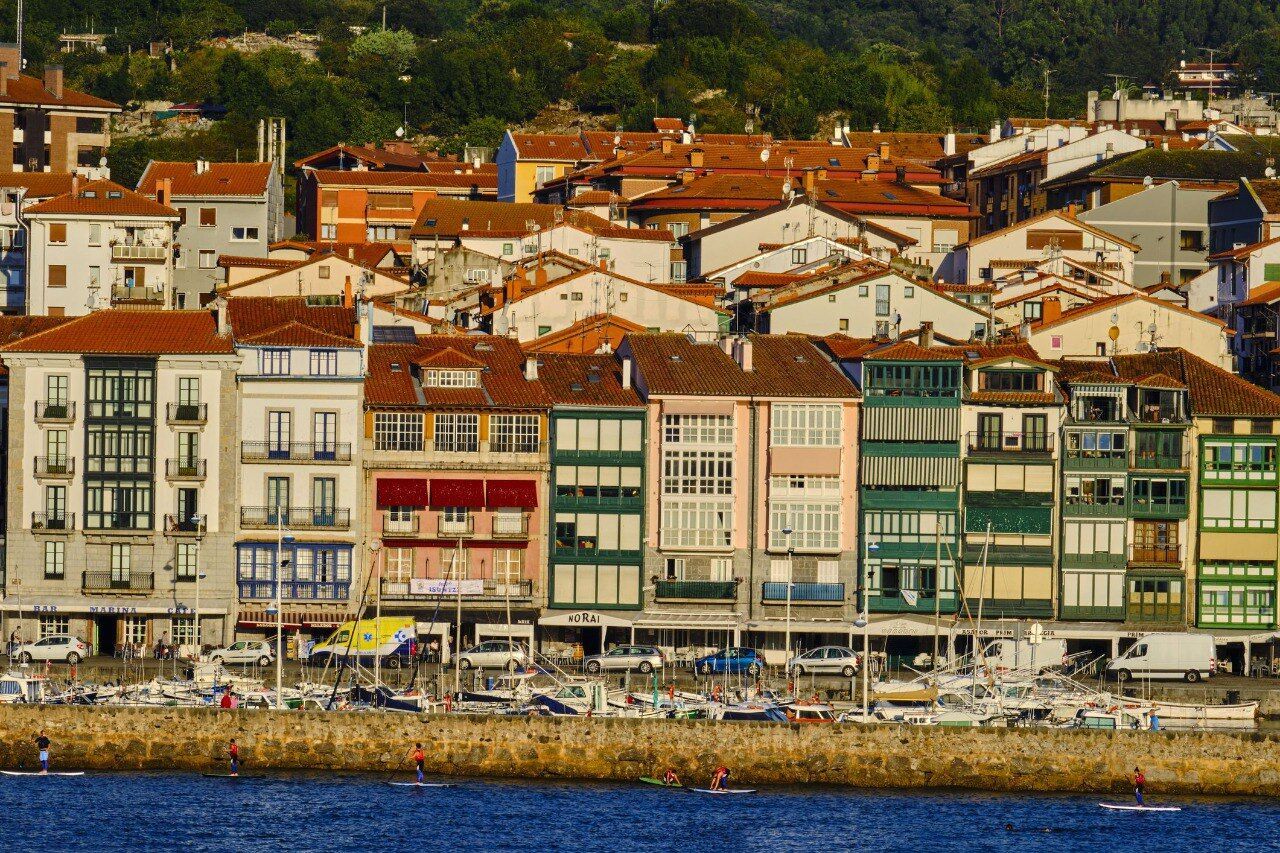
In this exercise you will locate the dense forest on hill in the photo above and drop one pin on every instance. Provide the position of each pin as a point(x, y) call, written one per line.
point(462, 70)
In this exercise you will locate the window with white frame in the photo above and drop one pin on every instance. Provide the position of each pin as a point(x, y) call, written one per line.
point(514, 433)
point(324, 362)
point(697, 524)
point(439, 378)
point(1238, 509)
point(673, 568)
point(243, 233)
point(722, 568)
point(55, 560)
point(135, 631)
point(182, 631)
point(397, 431)
point(275, 362)
point(397, 570)
point(185, 561)
point(542, 174)
point(329, 232)
point(697, 472)
point(52, 626)
point(508, 567)
point(805, 425)
point(457, 433)
point(697, 429)
point(208, 259)
point(121, 563)
point(810, 507)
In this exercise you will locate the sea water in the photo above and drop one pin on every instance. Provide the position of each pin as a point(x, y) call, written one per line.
point(316, 812)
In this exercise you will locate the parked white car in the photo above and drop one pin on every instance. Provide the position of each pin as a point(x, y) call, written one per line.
point(644, 658)
point(245, 652)
point(494, 654)
point(839, 660)
point(60, 647)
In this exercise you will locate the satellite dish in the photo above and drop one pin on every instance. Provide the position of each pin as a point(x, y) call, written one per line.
point(764, 155)
point(1148, 181)
point(1270, 171)
point(1114, 333)
point(400, 132)
point(102, 161)
point(786, 187)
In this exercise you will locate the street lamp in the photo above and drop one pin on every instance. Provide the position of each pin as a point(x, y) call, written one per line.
point(282, 562)
point(864, 622)
point(374, 547)
point(199, 521)
point(791, 557)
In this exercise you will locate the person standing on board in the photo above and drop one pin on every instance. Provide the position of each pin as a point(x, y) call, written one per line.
point(719, 778)
point(42, 744)
point(419, 757)
point(233, 753)
point(1139, 785)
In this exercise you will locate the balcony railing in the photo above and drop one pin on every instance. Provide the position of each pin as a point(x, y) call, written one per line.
point(61, 411)
point(1156, 554)
point(1158, 415)
point(122, 293)
point(492, 589)
point(185, 469)
point(1154, 460)
point(1010, 442)
point(48, 522)
point(508, 525)
point(138, 582)
point(1095, 460)
point(456, 528)
point(181, 524)
point(774, 591)
point(270, 451)
point(295, 518)
point(402, 526)
point(290, 590)
point(187, 413)
point(704, 590)
point(55, 466)
point(126, 252)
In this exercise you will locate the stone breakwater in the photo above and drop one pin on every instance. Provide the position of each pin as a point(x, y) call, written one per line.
point(621, 749)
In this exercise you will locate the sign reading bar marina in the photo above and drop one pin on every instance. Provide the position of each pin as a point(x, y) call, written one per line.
point(437, 586)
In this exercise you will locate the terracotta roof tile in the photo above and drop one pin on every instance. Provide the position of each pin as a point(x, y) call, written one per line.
point(121, 331)
point(1013, 398)
point(783, 366)
point(102, 198)
point(220, 179)
point(252, 316)
point(406, 180)
point(908, 351)
point(454, 218)
point(26, 90)
point(585, 380)
point(295, 334)
point(546, 146)
point(502, 379)
point(37, 184)
point(1213, 392)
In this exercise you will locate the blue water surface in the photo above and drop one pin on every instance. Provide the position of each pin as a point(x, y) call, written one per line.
point(316, 812)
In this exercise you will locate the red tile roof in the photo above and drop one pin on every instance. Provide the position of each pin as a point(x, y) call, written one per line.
point(546, 146)
point(453, 218)
point(30, 91)
point(370, 254)
point(121, 331)
point(295, 334)
point(102, 198)
point(220, 179)
point(379, 158)
point(1213, 392)
point(254, 316)
point(1242, 251)
point(585, 380)
point(406, 180)
point(502, 381)
point(1113, 301)
point(37, 184)
point(783, 366)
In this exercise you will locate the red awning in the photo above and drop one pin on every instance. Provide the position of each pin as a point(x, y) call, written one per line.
point(292, 619)
point(467, 493)
point(502, 494)
point(401, 491)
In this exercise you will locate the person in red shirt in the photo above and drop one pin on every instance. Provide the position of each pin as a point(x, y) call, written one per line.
point(719, 778)
point(1139, 785)
point(225, 701)
point(233, 752)
point(419, 758)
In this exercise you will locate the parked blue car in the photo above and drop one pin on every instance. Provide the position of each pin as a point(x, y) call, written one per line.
point(733, 661)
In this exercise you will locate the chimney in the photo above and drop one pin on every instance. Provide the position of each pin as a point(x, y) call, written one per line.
point(810, 182)
point(949, 143)
point(346, 293)
point(11, 55)
point(531, 368)
point(696, 158)
point(994, 134)
point(1024, 331)
point(1091, 108)
point(884, 151)
point(1051, 309)
point(666, 145)
point(53, 80)
point(202, 166)
point(926, 333)
point(626, 374)
point(219, 306)
point(873, 162)
point(161, 196)
point(4, 77)
point(1164, 145)
point(515, 285)
point(727, 345)
point(742, 353)
point(1171, 120)
point(75, 184)
point(687, 176)
point(351, 253)
point(604, 264)
point(540, 274)
point(900, 174)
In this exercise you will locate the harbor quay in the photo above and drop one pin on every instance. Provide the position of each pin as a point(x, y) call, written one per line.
point(617, 749)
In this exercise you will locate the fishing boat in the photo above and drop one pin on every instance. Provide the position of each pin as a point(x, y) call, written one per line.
point(1181, 712)
point(797, 713)
point(18, 688)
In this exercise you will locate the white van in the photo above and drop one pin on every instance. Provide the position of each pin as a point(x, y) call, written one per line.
point(1167, 656)
point(1022, 654)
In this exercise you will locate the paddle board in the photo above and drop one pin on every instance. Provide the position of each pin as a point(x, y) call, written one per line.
point(649, 780)
point(1125, 807)
point(422, 784)
point(227, 776)
point(724, 790)
point(38, 773)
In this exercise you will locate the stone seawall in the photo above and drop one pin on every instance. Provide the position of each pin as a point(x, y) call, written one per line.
point(622, 749)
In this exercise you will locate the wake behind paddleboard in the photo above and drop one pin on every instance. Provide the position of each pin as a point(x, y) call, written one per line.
point(422, 784)
point(38, 773)
point(723, 790)
point(1125, 807)
point(649, 780)
point(227, 776)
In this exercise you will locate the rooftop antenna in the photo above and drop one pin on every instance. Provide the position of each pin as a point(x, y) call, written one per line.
point(1211, 51)
point(1047, 73)
point(1115, 82)
point(18, 36)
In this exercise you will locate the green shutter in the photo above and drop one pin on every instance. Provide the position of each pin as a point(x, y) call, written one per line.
point(1271, 272)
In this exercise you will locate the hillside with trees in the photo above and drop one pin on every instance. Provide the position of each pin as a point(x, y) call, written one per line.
point(461, 70)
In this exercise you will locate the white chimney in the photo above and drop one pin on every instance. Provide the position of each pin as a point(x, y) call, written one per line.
point(531, 368)
point(949, 143)
point(626, 373)
point(994, 135)
point(202, 166)
point(742, 353)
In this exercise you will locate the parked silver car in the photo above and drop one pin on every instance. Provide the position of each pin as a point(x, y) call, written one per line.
point(495, 654)
point(839, 660)
point(643, 658)
point(60, 647)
